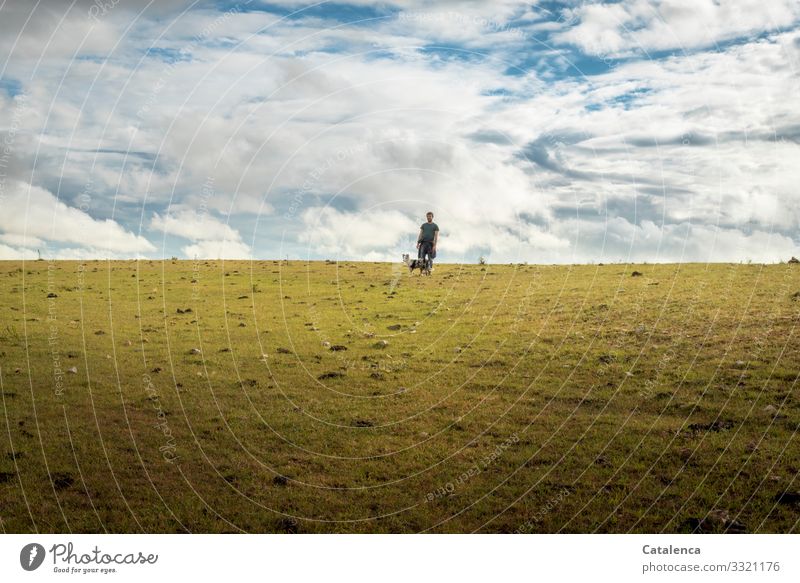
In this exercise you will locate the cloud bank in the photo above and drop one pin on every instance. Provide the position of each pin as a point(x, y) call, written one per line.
point(652, 130)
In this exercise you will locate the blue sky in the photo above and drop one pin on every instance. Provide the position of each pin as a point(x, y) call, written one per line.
point(646, 130)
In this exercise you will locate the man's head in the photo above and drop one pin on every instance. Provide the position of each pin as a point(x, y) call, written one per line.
point(429, 216)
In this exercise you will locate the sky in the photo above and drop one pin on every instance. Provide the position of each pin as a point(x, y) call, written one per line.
point(541, 131)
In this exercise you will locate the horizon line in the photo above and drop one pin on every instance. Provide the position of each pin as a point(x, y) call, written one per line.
point(330, 261)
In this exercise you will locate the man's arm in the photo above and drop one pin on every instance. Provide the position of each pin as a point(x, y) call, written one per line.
point(435, 238)
point(419, 238)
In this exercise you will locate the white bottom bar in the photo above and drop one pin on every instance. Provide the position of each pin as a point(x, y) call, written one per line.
point(404, 558)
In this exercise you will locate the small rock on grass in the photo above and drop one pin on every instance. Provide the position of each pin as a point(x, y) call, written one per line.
point(287, 525)
point(380, 344)
point(715, 426)
point(73, 370)
point(717, 521)
point(62, 480)
point(338, 347)
point(790, 498)
point(195, 351)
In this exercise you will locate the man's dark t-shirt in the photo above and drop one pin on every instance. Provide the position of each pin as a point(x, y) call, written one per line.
point(428, 230)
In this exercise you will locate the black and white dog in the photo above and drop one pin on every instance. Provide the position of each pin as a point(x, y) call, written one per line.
point(423, 266)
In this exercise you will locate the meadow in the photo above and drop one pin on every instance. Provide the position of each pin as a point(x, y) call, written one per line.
point(306, 397)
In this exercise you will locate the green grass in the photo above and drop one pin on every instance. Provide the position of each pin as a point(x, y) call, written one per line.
point(512, 398)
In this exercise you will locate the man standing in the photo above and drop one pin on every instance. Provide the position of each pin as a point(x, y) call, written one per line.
point(427, 240)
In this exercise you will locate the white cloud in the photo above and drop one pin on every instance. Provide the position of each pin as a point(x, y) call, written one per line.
point(212, 239)
point(21, 240)
point(194, 225)
point(7, 252)
point(619, 240)
point(618, 28)
point(34, 213)
point(211, 249)
point(355, 235)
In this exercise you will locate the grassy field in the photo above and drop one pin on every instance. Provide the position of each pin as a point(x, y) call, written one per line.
point(351, 397)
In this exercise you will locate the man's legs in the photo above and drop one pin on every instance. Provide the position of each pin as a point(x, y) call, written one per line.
point(426, 250)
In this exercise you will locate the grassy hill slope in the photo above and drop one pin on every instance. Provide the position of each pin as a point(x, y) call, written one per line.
point(351, 397)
